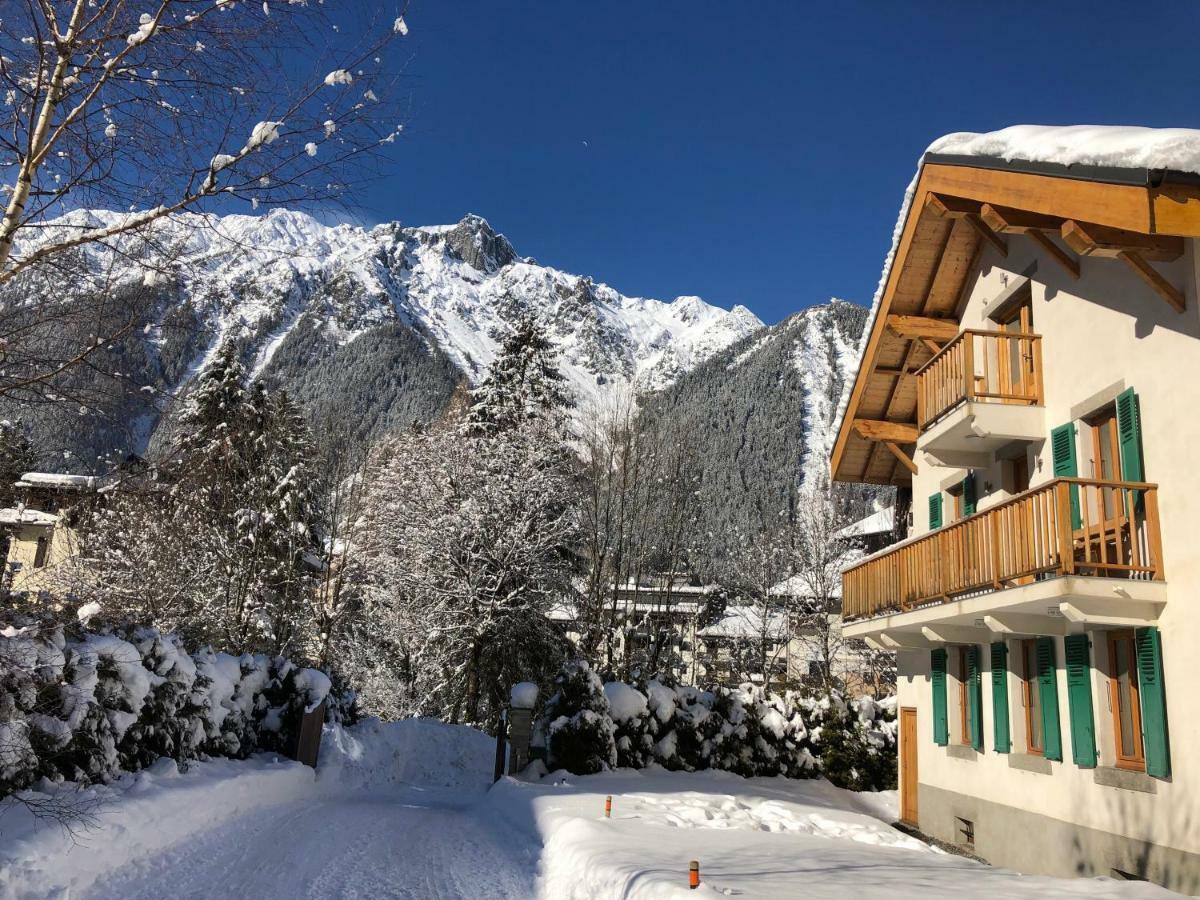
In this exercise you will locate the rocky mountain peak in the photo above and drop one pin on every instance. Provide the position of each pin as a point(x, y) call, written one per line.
point(477, 244)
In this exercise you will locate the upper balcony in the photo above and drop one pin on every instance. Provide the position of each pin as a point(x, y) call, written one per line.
point(1071, 550)
point(979, 392)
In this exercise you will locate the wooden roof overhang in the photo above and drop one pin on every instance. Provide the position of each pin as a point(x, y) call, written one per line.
point(959, 206)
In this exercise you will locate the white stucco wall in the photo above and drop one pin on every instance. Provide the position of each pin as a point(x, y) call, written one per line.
point(1122, 335)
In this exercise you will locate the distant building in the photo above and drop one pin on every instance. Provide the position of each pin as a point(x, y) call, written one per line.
point(39, 528)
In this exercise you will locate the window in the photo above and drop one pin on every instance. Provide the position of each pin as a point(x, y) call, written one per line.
point(1016, 359)
point(1106, 460)
point(1031, 698)
point(39, 555)
point(1124, 700)
point(964, 706)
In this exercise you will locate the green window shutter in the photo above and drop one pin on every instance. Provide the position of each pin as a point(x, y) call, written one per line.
point(1129, 435)
point(937, 667)
point(975, 697)
point(1000, 697)
point(1048, 696)
point(935, 511)
point(1155, 740)
point(1079, 701)
point(1066, 464)
point(970, 500)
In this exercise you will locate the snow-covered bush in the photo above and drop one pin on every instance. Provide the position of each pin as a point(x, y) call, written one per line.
point(746, 730)
point(578, 724)
point(88, 707)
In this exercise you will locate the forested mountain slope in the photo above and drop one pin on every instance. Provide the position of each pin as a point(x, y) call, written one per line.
point(758, 414)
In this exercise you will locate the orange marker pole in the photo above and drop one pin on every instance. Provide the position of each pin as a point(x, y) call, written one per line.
point(694, 874)
point(608, 807)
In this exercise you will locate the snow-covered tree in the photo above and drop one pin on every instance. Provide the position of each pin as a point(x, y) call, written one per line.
point(522, 385)
point(578, 729)
point(463, 547)
point(146, 110)
point(462, 555)
point(220, 544)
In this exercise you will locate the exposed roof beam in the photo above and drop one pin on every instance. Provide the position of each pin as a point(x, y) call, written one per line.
point(1005, 220)
point(892, 373)
point(1089, 239)
point(1150, 275)
point(904, 458)
point(918, 327)
point(1065, 259)
point(876, 430)
point(948, 207)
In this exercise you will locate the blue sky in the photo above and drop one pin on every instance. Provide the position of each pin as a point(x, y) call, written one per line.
point(748, 153)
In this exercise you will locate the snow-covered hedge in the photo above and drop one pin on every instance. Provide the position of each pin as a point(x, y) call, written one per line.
point(587, 726)
point(88, 707)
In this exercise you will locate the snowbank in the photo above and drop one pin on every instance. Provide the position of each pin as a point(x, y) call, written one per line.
point(375, 754)
point(755, 838)
point(138, 815)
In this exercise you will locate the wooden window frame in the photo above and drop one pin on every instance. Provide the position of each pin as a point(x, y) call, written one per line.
point(1136, 762)
point(1029, 684)
point(964, 709)
point(41, 551)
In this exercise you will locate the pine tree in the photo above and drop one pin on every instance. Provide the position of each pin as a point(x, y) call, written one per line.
point(221, 546)
point(523, 383)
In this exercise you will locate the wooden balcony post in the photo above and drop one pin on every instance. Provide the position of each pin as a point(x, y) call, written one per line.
point(1153, 535)
point(1066, 539)
point(969, 365)
point(1038, 388)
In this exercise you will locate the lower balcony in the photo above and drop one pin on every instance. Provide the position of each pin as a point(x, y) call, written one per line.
point(1073, 551)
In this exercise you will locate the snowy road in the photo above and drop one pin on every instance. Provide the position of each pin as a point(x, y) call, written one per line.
point(404, 843)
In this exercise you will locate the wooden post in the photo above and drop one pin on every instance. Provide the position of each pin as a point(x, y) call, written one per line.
point(500, 742)
point(969, 365)
point(308, 736)
point(1066, 543)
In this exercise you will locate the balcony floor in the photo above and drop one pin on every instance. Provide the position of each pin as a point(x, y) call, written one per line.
point(1062, 605)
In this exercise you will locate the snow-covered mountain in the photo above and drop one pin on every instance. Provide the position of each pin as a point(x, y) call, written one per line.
point(314, 306)
point(254, 278)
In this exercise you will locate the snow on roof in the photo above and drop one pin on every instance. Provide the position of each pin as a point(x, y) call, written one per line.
point(23, 516)
point(879, 522)
point(1119, 146)
point(746, 622)
point(798, 586)
point(58, 480)
point(562, 612)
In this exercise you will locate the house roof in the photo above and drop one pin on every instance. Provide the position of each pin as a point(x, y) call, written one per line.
point(879, 522)
point(969, 192)
point(19, 515)
point(58, 481)
point(746, 622)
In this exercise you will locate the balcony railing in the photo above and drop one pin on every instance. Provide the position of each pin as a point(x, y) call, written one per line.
point(1069, 526)
point(991, 366)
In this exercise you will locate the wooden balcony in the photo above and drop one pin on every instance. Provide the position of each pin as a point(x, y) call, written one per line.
point(1069, 526)
point(1002, 367)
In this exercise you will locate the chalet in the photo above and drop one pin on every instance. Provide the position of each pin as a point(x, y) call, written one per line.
point(1028, 378)
point(39, 529)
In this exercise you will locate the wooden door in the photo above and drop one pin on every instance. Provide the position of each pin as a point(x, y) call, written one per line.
point(908, 765)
